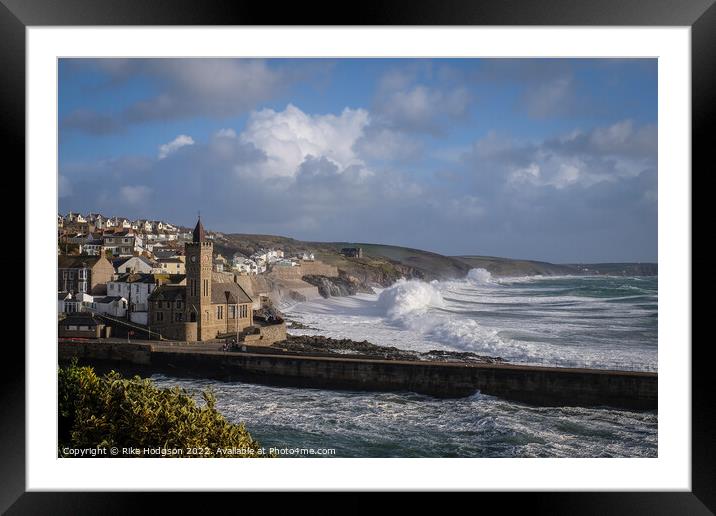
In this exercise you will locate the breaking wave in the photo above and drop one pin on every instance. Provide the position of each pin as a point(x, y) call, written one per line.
point(412, 304)
point(565, 321)
point(409, 296)
point(479, 277)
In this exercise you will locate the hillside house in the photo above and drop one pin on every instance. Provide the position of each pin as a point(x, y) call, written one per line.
point(86, 274)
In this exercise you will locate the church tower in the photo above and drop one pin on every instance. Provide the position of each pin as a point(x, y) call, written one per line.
point(199, 257)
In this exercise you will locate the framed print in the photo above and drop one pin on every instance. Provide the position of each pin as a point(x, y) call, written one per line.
point(445, 249)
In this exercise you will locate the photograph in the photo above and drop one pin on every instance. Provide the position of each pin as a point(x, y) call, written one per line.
point(357, 257)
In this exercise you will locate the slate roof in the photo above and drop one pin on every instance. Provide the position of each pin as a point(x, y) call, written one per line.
point(199, 233)
point(237, 294)
point(76, 262)
point(146, 277)
point(107, 299)
point(79, 319)
point(168, 293)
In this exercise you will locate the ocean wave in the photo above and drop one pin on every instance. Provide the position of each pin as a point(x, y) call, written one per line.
point(409, 296)
point(545, 323)
point(479, 277)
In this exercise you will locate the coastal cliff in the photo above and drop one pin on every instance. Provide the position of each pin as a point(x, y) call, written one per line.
point(381, 265)
point(343, 285)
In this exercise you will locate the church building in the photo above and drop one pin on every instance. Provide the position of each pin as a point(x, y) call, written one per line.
point(207, 307)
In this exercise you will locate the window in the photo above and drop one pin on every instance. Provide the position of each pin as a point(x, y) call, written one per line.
point(159, 317)
point(244, 311)
point(232, 312)
point(220, 312)
point(179, 304)
point(178, 317)
point(206, 287)
point(111, 286)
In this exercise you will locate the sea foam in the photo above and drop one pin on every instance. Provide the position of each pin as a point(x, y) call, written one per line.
point(479, 277)
point(406, 297)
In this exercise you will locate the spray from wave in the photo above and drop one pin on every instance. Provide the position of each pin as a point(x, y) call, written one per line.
point(409, 296)
point(479, 277)
point(566, 321)
point(410, 304)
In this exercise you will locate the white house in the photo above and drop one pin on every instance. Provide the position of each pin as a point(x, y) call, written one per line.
point(137, 264)
point(62, 299)
point(69, 303)
point(97, 219)
point(249, 266)
point(75, 217)
point(285, 262)
point(92, 247)
point(136, 289)
point(144, 225)
point(115, 306)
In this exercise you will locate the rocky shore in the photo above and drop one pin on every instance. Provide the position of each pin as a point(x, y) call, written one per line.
point(343, 285)
point(342, 347)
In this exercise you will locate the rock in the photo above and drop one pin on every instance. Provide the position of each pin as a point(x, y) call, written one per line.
point(313, 344)
point(342, 285)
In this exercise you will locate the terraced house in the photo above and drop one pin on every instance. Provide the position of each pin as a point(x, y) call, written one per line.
point(83, 274)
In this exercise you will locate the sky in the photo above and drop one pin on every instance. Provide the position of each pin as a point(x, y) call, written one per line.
point(546, 159)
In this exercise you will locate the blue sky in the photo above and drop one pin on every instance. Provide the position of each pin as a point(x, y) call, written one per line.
point(550, 159)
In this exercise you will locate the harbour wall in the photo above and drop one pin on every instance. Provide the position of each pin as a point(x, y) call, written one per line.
point(534, 385)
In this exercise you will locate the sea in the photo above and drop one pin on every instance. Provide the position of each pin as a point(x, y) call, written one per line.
point(569, 321)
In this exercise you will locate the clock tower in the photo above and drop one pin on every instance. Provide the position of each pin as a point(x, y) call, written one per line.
point(199, 257)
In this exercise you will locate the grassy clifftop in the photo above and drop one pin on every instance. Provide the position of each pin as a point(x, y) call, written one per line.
point(383, 264)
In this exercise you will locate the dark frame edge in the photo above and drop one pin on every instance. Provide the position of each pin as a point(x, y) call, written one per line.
point(703, 113)
point(702, 499)
point(12, 136)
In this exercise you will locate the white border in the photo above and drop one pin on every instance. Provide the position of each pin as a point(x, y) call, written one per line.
point(670, 471)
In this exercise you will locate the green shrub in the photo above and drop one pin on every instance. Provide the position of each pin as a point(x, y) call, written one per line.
point(132, 415)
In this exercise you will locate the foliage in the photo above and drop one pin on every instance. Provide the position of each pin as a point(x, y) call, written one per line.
point(133, 414)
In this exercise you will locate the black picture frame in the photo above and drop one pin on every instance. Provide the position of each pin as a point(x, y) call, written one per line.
point(700, 15)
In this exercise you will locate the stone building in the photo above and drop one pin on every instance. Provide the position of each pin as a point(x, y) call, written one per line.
point(86, 274)
point(352, 252)
point(207, 306)
point(83, 325)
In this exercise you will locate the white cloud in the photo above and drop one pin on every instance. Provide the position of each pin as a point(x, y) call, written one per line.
point(180, 141)
point(290, 136)
point(226, 133)
point(386, 144)
point(529, 174)
point(135, 194)
point(421, 108)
